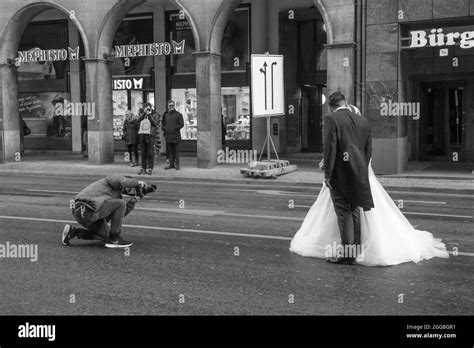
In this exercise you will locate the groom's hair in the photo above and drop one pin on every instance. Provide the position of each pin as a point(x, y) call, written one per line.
point(336, 100)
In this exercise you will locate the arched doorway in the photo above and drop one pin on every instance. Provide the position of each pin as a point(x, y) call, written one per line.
point(128, 82)
point(16, 76)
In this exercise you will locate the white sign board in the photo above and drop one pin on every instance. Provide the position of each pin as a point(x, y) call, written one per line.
point(268, 97)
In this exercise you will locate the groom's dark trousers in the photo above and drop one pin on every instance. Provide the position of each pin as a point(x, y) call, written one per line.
point(348, 218)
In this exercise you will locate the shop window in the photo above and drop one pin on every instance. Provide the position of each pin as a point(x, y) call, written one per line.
point(235, 42)
point(132, 78)
point(128, 100)
point(186, 103)
point(180, 30)
point(36, 70)
point(134, 30)
point(235, 112)
point(44, 114)
point(44, 36)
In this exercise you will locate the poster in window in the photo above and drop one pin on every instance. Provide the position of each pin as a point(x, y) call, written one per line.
point(235, 42)
point(120, 106)
point(179, 31)
point(38, 111)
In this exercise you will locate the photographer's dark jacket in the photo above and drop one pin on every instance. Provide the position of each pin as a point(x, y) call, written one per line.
point(111, 187)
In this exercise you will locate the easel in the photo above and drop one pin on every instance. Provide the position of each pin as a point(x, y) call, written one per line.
point(267, 74)
point(269, 142)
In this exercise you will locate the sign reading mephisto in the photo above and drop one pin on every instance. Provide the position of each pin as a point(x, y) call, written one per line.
point(438, 38)
point(152, 49)
point(38, 55)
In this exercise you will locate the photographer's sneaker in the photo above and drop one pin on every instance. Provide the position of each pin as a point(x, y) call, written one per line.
point(68, 234)
point(149, 171)
point(142, 171)
point(117, 242)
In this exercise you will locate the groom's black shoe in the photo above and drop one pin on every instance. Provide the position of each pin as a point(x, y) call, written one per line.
point(343, 260)
point(337, 260)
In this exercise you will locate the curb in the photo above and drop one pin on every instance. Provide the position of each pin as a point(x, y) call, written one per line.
point(255, 182)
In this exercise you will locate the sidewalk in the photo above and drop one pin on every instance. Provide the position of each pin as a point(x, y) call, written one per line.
point(308, 172)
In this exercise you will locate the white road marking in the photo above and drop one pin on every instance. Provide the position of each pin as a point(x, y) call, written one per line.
point(184, 211)
point(187, 230)
point(282, 193)
point(442, 215)
point(216, 213)
point(395, 200)
point(422, 202)
point(461, 253)
point(249, 235)
point(264, 216)
point(436, 194)
point(52, 191)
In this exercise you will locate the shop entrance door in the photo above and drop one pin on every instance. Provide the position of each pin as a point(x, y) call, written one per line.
point(442, 121)
point(312, 98)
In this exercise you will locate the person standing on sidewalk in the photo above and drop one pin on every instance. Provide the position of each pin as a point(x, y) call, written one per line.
point(172, 124)
point(148, 124)
point(24, 131)
point(130, 135)
point(96, 205)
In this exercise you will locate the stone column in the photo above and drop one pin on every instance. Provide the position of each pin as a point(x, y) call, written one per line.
point(100, 127)
point(341, 69)
point(75, 88)
point(9, 115)
point(159, 35)
point(261, 27)
point(208, 87)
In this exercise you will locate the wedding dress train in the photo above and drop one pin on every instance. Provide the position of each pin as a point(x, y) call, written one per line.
point(387, 237)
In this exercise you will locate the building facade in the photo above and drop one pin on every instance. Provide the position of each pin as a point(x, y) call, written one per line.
point(419, 81)
point(406, 64)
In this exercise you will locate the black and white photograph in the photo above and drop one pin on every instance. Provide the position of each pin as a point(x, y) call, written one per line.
point(236, 170)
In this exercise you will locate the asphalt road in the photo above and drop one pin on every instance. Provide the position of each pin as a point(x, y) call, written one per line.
point(208, 248)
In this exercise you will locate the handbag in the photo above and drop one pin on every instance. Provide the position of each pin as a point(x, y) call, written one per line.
point(26, 129)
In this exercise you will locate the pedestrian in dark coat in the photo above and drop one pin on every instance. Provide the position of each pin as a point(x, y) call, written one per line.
point(130, 135)
point(172, 123)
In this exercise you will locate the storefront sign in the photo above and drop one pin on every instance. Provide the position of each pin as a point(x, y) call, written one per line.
point(179, 25)
point(438, 38)
point(153, 49)
point(128, 84)
point(37, 55)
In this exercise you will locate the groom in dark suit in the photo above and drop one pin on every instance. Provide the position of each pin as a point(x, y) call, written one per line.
point(347, 152)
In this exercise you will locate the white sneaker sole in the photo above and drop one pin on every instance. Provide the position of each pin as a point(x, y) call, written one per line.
point(66, 230)
point(117, 246)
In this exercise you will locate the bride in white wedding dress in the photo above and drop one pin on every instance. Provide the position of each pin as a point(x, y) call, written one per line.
point(387, 237)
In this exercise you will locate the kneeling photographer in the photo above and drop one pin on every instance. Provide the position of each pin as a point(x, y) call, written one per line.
point(101, 202)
